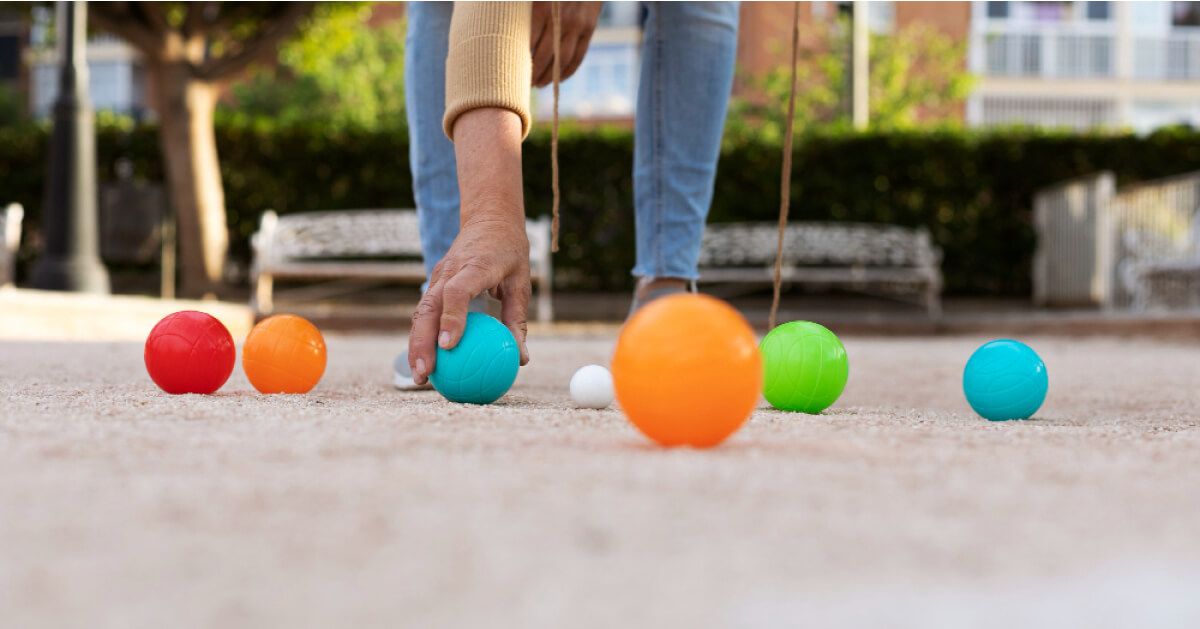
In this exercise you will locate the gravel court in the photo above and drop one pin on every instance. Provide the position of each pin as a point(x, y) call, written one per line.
point(356, 504)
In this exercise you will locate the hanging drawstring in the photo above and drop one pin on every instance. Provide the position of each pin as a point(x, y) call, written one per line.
point(556, 20)
point(785, 176)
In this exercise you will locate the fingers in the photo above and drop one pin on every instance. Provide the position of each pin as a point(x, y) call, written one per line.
point(422, 347)
point(514, 310)
point(456, 297)
point(578, 52)
point(539, 36)
point(543, 58)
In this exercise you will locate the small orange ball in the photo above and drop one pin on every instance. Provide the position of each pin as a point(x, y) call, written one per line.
point(284, 354)
point(687, 370)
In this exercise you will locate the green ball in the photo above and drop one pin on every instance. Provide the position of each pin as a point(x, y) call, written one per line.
point(805, 367)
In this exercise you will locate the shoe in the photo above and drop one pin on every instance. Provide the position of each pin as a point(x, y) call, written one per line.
point(650, 288)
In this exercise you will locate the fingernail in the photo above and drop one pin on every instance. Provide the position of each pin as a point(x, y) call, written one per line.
point(421, 366)
point(444, 339)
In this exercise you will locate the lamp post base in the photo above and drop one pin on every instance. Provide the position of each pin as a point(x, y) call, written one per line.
point(70, 274)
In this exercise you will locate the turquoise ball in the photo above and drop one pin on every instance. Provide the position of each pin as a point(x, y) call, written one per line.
point(1004, 380)
point(482, 367)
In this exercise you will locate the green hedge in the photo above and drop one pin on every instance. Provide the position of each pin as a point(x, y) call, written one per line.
point(972, 190)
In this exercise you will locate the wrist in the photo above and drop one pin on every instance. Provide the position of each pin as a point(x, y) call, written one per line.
point(494, 208)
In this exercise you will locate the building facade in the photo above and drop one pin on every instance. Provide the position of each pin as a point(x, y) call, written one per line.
point(1084, 65)
point(1078, 64)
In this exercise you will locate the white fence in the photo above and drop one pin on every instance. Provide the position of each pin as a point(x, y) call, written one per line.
point(1137, 248)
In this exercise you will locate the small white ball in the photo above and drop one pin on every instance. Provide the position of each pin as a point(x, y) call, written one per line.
point(592, 387)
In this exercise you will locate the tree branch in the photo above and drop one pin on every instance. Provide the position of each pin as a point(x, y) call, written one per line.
point(274, 32)
point(115, 18)
point(152, 14)
point(199, 18)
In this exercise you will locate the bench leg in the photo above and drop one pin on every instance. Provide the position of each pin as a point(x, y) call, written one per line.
point(264, 285)
point(545, 306)
point(933, 301)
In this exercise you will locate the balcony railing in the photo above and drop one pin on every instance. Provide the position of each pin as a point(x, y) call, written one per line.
point(1174, 57)
point(1047, 54)
point(1068, 52)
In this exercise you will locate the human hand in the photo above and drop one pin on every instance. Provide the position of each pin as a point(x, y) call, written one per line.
point(488, 255)
point(578, 22)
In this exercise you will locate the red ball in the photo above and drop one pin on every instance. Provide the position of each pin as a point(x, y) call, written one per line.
point(189, 352)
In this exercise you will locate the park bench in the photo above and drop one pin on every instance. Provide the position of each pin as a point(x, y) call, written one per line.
point(10, 239)
point(364, 244)
point(861, 256)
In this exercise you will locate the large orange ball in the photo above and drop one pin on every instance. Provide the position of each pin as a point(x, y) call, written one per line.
point(284, 354)
point(687, 370)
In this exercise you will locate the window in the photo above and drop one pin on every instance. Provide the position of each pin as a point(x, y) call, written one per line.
point(1185, 13)
point(10, 57)
point(1050, 11)
point(997, 10)
point(881, 16)
point(1098, 11)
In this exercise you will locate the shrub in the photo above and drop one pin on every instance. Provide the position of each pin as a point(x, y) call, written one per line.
point(972, 190)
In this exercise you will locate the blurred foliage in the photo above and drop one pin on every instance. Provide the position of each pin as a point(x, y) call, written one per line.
point(11, 110)
point(973, 190)
point(338, 72)
point(917, 76)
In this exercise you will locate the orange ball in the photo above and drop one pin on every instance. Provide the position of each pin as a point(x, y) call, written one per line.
point(284, 354)
point(687, 370)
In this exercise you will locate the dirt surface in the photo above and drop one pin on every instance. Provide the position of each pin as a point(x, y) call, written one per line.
point(357, 505)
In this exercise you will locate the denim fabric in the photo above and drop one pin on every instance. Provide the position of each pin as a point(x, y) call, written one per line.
point(687, 62)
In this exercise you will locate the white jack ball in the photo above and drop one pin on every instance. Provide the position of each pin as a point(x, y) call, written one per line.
point(592, 387)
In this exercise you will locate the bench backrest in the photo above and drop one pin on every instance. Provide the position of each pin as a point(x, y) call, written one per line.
point(341, 234)
point(365, 234)
point(818, 244)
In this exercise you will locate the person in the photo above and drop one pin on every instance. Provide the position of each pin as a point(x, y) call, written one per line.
point(468, 73)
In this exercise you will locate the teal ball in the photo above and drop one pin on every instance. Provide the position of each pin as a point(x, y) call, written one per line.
point(805, 367)
point(1005, 380)
point(482, 367)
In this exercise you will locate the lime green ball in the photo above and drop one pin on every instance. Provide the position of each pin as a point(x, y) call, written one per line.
point(805, 367)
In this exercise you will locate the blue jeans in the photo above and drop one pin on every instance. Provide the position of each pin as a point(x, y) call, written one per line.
point(688, 51)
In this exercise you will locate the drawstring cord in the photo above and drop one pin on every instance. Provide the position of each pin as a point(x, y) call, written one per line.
point(785, 176)
point(556, 20)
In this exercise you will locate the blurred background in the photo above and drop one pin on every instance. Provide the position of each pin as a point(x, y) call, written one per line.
point(1015, 160)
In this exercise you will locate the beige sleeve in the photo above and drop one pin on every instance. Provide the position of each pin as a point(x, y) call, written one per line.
point(489, 63)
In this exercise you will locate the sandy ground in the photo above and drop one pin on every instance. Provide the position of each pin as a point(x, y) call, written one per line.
point(357, 505)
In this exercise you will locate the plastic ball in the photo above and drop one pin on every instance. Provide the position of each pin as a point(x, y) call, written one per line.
point(1004, 380)
point(805, 367)
point(483, 365)
point(189, 352)
point(592, 387)
point(687, 370)
point(284, 354)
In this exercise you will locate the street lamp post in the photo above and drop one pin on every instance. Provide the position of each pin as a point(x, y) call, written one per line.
point(70, 258)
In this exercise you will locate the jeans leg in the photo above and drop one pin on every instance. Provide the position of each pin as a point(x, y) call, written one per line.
point(688, 52)
point(431, 155)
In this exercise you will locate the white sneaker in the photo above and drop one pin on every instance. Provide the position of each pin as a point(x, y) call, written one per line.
point(402, 377)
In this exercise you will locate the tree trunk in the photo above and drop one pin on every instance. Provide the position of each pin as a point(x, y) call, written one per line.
point(189, 146)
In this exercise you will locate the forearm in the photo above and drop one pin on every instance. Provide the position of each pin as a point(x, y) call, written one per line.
point(487, 148)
